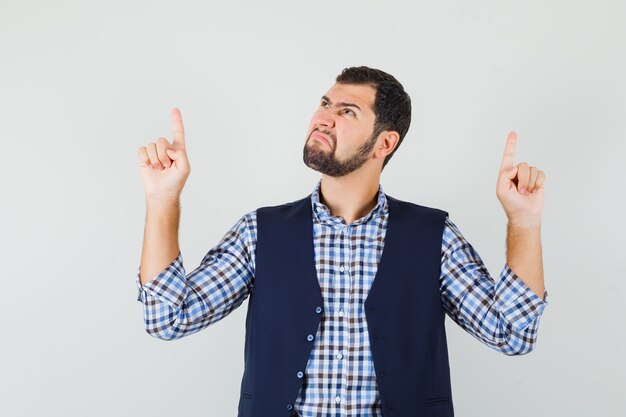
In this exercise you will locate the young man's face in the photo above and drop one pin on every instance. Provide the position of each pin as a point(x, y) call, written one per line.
point(339, 139)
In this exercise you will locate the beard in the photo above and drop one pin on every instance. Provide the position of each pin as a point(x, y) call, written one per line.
point(326, 162)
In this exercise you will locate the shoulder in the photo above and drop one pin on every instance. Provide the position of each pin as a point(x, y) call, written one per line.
point(301, 204)
point(416, 208)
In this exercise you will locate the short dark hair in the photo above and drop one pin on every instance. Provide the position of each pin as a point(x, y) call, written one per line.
point(392, 105)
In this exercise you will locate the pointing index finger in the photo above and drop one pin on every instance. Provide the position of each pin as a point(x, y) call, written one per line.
point(179, 130)
point(509, 152)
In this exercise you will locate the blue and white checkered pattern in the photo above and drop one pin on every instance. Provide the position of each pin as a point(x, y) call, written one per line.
point(339, 379)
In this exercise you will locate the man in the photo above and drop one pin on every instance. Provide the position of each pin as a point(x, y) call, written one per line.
point(333, 327)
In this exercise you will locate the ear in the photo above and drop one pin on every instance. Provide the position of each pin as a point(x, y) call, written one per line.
point(387, 141)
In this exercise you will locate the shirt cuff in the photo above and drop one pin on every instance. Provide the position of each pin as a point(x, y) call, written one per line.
point(170, 285)
point(516, 301)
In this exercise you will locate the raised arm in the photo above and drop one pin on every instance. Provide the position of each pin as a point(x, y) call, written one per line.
point(164, 169)
point(177, 304)
point(520, 189)
point(504, 314)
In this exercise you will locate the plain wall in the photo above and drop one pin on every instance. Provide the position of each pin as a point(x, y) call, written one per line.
point(84, 84)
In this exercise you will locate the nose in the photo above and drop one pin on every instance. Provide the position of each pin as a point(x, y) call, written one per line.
point(325, 118)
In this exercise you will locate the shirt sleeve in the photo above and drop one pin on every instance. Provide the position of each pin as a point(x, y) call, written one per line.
point(503, 315)
point(177, 305)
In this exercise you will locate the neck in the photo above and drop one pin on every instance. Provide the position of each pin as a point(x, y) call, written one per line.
point(351, 196)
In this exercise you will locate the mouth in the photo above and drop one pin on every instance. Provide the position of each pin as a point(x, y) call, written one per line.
point(321, 138)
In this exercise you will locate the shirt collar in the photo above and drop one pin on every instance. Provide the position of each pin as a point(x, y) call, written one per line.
point(322, 212)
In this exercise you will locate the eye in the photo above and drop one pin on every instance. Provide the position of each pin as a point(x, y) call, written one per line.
point(352, 111)
point(323, 103)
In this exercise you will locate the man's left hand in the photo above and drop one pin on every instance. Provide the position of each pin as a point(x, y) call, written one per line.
point(520, 188)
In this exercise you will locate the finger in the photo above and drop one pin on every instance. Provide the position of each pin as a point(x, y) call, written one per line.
point(505, 179)
point(509, 152)
point(162, 145)
point(144, 159)
point(179, 130)
point(541, 179)
point(172, 153)
point(523, 176)
point(154, 158)
point(532, 179)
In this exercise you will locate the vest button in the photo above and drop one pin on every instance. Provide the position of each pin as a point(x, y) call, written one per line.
point(300, 374)
point(289, 406)
point(310, 337)
point(318, 309)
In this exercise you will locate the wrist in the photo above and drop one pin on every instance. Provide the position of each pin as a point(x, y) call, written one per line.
point(162, 203)
point(524, 222)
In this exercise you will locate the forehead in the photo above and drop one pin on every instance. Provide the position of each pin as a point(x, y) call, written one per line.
point(362, 95)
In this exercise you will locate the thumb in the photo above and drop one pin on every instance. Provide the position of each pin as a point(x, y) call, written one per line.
point(179, 157)
point(175, 154)
point(505, 177)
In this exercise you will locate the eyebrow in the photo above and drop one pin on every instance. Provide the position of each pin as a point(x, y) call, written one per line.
point(342, 103)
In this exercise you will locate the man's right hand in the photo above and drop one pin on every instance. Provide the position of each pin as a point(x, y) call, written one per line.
point(164, 167)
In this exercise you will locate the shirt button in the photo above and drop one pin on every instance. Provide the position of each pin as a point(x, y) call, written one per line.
point(300, 374)
point(310, 337)
point(341, 312)
point(339, 355)
point(318, 309)
point(337, 399)
point(341, 268)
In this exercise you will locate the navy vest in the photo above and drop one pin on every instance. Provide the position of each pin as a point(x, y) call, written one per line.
point(403, 309)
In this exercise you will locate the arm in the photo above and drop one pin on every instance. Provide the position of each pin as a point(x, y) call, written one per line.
point(503, 315)
point(520, 189)
point(160, 240)
point(164, 168)
point(523, 254)
point(178, 305)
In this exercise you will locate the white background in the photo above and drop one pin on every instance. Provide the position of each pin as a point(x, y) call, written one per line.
point(84, 84)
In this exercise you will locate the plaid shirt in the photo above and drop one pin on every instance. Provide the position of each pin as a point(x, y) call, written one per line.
point(340, 379)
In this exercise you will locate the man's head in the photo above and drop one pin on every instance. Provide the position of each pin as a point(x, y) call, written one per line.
point(364, 117)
